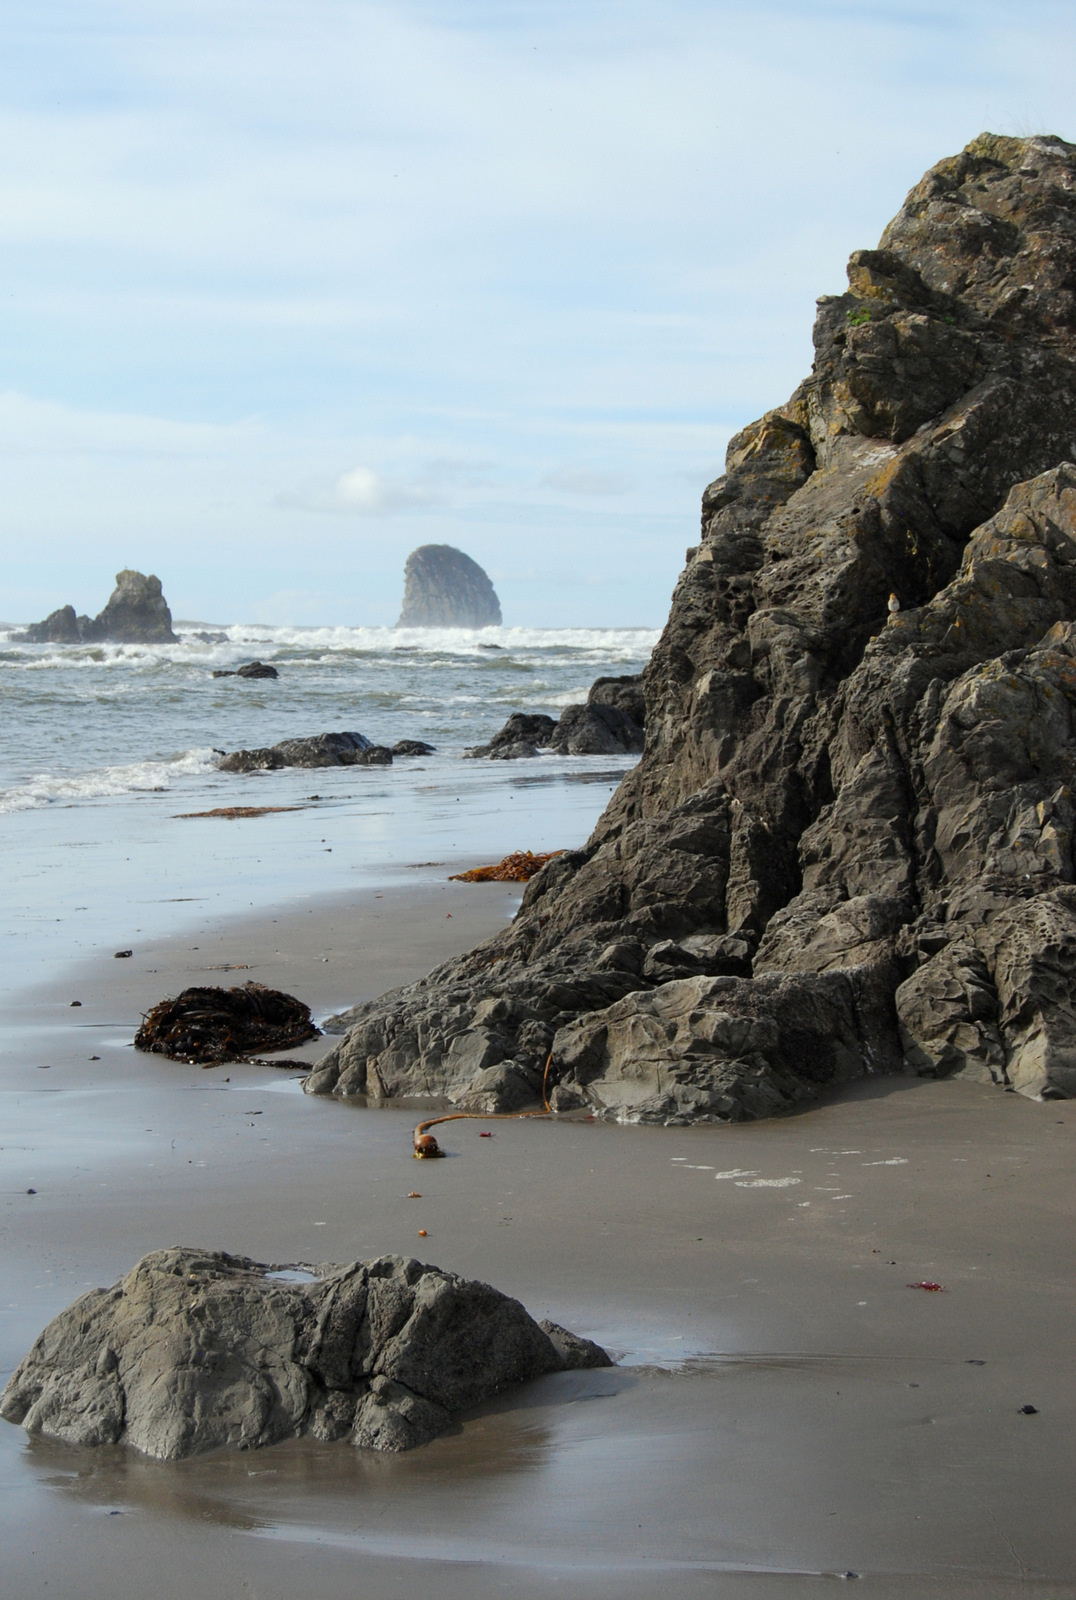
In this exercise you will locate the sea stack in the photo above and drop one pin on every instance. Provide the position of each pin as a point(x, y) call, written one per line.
point(848, 847)
point(137, 613)
point(443, 588)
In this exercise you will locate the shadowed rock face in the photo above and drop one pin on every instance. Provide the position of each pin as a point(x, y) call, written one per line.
point(443, 588)
point(137, 613)
point(848, 846)
point(196, 1349)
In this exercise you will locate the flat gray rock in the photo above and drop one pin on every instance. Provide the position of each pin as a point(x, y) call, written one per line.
point(195, 1350)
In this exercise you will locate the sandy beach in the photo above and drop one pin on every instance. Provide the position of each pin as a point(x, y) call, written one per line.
point(787, 1410)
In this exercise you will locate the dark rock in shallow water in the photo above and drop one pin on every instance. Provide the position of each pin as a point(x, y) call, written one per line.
point(413, 747)
point(321, 750)
point(596, 730)
point(253, 669)
point(611, 722)
point(875, 806)
point(443, 588)
point(195, 1349)
point(137, 613)
point(520, 736)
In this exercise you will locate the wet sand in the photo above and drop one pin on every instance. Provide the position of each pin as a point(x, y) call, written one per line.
point(787, 1409)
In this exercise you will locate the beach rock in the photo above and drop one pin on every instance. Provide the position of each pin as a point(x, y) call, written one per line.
point(136, 613)
point(520, 736)
point(413, 747)
point(321, 750)
point(195, 1350)
point(596, 730)
point(443, 588)
point(875, 807)
point(611, 722)
point(626, 693)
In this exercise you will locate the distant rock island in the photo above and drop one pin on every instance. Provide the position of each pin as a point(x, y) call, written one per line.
point(443, 588)
point(137, 613)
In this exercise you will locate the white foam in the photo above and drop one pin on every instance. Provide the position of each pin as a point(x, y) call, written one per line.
point(153, 777)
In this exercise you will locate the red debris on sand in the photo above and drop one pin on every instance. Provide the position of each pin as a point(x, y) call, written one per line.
point(519, 867)
point(485, 1136)
point(925, 1283)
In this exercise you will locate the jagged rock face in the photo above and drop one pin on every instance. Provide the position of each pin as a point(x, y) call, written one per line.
point(443, 588)
point(137, 613)
point(840, 791)
point(194, 1350)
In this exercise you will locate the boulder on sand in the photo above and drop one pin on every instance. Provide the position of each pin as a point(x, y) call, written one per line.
point(195, 1349)
point(443, 588)
point(877, 803)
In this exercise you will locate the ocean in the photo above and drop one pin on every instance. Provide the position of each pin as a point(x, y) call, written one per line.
point(107, 747)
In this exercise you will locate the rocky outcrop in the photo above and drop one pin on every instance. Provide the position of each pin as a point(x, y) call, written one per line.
point(59, 627)
point(194, 1350)
point(611, 722)
point(443, 588)
point(858, 820)
point(137, 613)
point(251, 669)
point(321, 750)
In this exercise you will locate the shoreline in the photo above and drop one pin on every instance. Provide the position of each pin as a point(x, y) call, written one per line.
point(786, 1409)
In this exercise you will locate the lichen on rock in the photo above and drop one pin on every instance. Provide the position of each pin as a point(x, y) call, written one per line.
point(847, 817)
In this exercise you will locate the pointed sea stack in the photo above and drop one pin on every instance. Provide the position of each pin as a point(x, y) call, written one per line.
point(137, 613)
point(848, 847)
point(443, 588)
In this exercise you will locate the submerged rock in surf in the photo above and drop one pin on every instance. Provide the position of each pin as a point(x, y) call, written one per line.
point(195, 1349)
point(443, 588)
point(320, 750)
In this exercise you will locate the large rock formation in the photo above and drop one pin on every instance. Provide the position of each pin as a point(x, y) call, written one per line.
point(137, 613)
point(443, 588)
point(849, 844)
point(195, 1349)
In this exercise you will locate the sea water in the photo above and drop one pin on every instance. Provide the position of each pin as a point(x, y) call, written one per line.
point(107, 749)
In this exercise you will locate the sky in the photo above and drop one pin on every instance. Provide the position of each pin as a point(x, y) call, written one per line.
point(289, 287)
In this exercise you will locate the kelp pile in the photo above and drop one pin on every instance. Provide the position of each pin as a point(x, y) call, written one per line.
point(519, 867)
point(209, 1026)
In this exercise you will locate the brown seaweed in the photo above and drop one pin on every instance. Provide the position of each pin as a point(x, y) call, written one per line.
point(206, 1026)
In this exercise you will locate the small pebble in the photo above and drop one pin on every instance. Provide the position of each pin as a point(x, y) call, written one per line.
point(1029, 1411)
point(121, 955)
point(31, 1191)
point(76, 1002)
point(422, 1233)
